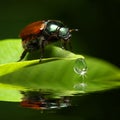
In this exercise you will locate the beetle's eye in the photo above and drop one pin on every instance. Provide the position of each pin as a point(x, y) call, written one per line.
point(52, 28)
point(63, 31)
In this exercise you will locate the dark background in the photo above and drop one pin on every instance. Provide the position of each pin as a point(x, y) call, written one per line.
point(98, 20)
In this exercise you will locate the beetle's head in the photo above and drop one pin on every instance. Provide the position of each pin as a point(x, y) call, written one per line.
point(65, 33)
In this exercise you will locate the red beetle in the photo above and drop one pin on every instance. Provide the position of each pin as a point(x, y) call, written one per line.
point(38, 34)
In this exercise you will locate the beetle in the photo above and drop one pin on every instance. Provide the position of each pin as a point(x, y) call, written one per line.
point(37, 35)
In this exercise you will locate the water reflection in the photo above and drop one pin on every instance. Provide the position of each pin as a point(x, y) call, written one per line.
point(102, 105)
point(40, 100)
point(80, 86)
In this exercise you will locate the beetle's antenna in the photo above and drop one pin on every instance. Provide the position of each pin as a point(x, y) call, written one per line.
point(71, 30)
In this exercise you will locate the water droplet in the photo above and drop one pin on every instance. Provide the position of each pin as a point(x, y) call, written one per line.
point(80, 67)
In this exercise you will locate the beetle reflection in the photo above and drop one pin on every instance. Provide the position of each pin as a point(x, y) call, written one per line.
point(39, 100)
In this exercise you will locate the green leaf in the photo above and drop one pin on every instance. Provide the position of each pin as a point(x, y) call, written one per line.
point(10, 50)
point(101, 75)
point(55, 73)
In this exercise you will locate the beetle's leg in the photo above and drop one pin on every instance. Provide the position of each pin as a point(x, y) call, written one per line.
point(64, 44)
point(23, 55)
point(42, 46)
